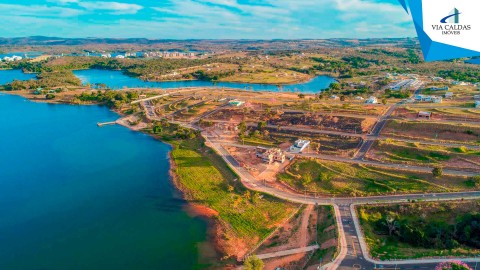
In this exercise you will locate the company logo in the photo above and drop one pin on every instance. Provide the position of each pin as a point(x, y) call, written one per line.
point(454, 17)
point(450, 25)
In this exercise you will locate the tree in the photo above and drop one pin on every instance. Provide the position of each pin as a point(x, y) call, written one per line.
point(392, 224)
point(157, 129)
point(49, 96)
point(262, 125)
point(454, 265)
point(384, 101)
point(437, 171)
point(474, 181)
point(242, 127)
point(253, 263)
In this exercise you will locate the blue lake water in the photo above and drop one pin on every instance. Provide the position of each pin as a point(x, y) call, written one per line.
point(118, 80)
point(75, 196)
point(7, 76)
point(474, 61)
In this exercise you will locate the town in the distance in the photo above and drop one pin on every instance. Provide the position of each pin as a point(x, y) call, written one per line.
point(298, 154)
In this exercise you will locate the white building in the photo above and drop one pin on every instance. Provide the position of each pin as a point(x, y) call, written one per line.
point(372, 100)
point(439, 88)
point(299, 146)
point(406, 84)
point(427, 98)
point(120, 56)
point(449, 95)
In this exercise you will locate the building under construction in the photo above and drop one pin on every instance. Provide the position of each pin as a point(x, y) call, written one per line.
point(270, 155)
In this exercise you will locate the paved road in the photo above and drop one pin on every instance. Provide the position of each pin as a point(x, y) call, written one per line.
point(363, 162)
point(377, 129)
point(350, 255)
point(287, 252)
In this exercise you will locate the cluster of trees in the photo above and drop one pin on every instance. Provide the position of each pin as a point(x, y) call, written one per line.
point(113, 99)
point(165, 128)
point(397, 94)
point(409, 55)
point(359, 62)
point(212, 76)
point(46, 79)
point(430, 233)
point(467, 75)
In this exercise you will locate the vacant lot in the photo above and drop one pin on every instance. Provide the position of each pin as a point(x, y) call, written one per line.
point(244, 217)
point(417, 230)
point(466, 133)
point(467, 114)
point(414, 153)
point(327, 177)
point(327, 237)
point(323, 121)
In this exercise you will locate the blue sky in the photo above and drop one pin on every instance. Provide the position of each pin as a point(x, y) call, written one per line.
point(205, 19)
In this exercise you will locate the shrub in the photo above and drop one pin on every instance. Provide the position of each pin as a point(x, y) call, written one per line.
point(437, 171)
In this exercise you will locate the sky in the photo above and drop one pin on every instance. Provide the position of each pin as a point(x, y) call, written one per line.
point(205, 19)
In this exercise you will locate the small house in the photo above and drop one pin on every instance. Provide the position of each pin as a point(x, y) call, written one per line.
point(38, 91)
point(425, 115)
point(477, 103)
point(236, 103)
point(270, 155)
point(372, 100)
point(436, 99)
point(299, 145)
point(449, 95)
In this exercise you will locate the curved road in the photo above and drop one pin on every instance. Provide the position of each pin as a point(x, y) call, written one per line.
point(353, 253)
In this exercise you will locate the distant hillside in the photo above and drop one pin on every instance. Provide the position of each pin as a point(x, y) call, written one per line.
point(243, 44)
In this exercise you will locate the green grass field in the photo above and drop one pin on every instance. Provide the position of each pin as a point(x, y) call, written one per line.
point(328, 177)
point(413, 153)
point(206, 179)
point(430, 218)
point(433, 131)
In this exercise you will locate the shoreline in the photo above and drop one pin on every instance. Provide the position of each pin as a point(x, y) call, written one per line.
point(124, 72)
point(192, 209)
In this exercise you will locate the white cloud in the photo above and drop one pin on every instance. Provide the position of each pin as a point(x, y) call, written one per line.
point(223, 19)
point(113, 7)
point(38, 10)
point(63, 2)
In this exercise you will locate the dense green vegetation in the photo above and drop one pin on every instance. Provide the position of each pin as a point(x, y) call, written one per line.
point(113, 99)
point(253, 263)
point(468, 75)
point(422, 229)
point(46, 79)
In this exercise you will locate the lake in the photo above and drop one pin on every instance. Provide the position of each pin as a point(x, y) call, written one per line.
point(9, 75)
point(75, 196)
point(474, 61)
point(118, 80)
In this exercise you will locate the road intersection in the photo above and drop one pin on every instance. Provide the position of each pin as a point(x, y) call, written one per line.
point(353, 252)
